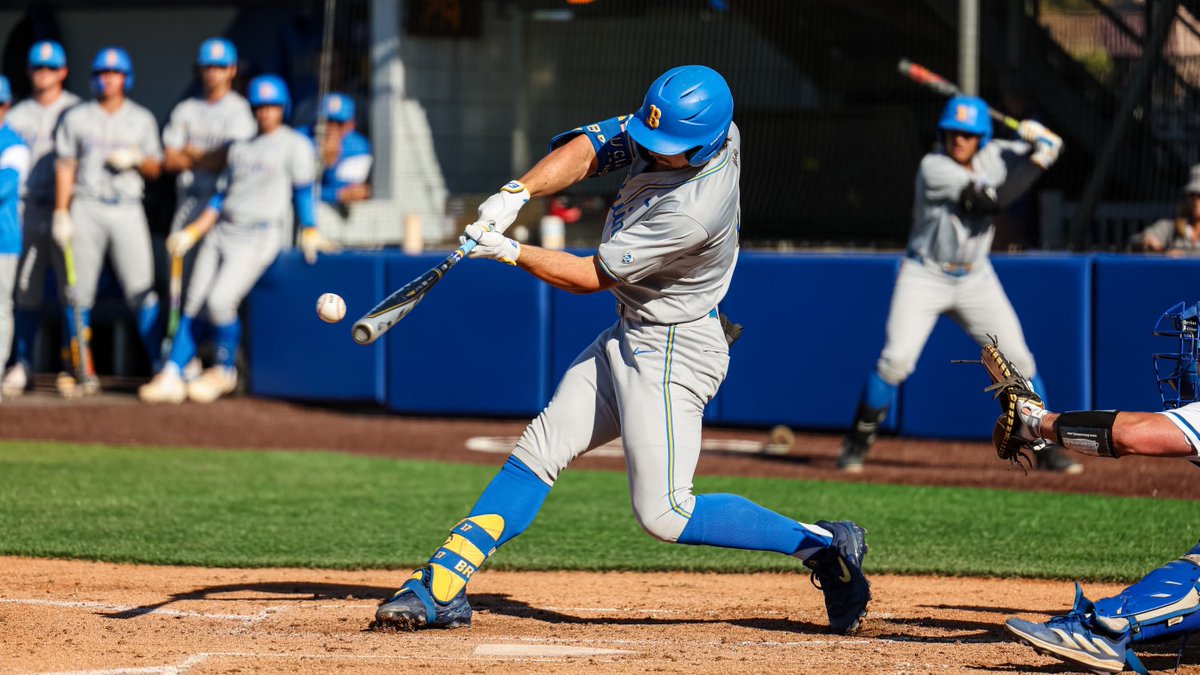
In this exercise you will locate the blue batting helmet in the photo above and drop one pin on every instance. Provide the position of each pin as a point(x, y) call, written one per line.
point(112, 59)
point(337, 107)
point(686, 110)
point(217, 52)
point(5, 91)
point(47, 54)
point(1175, 372)
point(269, 90)
point(968, 114)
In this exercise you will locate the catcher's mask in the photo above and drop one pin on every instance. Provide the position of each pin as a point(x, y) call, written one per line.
point(1175, 372)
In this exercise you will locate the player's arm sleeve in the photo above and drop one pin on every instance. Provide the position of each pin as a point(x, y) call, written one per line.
point(355, 164)
point(1161, 230)
point(65, 145)
point(304, 169)
point(647, 246)
point(943, 179)
point(173, 134)
point(609, 140)
point(1022, 172)
point(14, 167)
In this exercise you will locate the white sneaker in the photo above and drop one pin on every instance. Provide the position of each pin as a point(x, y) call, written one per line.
point(16, 380)
point(192, 370)
point(213, 384)
point(165, 387)
point(66, 385)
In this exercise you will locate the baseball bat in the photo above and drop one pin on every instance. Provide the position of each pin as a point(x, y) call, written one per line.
point(81, 354)
point(176, 291)
point(931, 80)
point(397, 305)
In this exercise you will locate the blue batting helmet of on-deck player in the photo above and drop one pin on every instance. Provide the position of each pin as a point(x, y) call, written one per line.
point(269, 90)
point(338, 108)
point(1175, 372)
point(686, 110)
point(217, 52)
point(112, 59)
point(47, 54)
point(968, 114)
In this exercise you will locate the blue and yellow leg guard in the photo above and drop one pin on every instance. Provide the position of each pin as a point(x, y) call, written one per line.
point(470, 543)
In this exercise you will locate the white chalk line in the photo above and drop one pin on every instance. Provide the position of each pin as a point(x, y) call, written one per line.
point(143, 611)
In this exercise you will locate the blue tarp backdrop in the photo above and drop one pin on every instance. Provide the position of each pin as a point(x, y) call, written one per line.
point(814, 326)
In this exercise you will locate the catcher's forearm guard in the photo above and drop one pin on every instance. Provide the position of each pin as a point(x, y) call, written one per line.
point(1087, 431)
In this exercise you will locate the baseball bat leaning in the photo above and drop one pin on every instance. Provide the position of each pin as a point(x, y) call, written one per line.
point(931, 80)
point(397, 305)
point(81, 353)
point(176, 291)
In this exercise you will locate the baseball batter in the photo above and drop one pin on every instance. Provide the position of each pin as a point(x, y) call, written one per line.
point(14, 167)
point(35, 120)
point(107, 148)
point(242, 224)
point(1165, 604)
point(667, 254)
point(959, 188)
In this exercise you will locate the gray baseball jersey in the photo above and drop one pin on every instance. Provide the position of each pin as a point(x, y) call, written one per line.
point(88, 135)
point(1179, 238)
point(207, 126)
point(260, 175)
point(671, 238)
point(942, 231)
point(36, 124)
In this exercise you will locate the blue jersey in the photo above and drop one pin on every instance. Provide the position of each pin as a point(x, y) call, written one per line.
point(14, 167)
point(352, 167)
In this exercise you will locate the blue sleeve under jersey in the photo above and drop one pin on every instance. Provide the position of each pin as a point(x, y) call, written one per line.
point(302, 199)
point(608, 140)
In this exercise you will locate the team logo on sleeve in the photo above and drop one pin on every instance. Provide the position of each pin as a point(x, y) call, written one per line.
point(654, 116)
point(628, 257)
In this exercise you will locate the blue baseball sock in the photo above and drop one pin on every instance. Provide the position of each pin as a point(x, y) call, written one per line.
point(226, 339)
point(730, 521)
point(24, 333)
point(183, 346)
point(878, 394)
point(515, 494)
point(150, 332)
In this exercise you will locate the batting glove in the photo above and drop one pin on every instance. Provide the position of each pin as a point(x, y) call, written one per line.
point(179, 243)
point(501, 208)
point(1046, 144)
point(62, 230)
point(123, 159)
point(312, 243)
point(491, 244)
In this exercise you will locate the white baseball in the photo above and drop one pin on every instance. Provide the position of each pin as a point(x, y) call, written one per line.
point(331, 307)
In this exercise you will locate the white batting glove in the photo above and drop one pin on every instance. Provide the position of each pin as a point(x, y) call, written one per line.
point(312, 243)
point(179, 243)
point(62, 230)
point(491, 244)
point(501, 208)
point(123, 159)
point(1046, 144)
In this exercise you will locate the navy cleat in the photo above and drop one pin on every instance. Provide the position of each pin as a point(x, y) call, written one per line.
point(1075, 638)
point(413, 607)
point(838, 568)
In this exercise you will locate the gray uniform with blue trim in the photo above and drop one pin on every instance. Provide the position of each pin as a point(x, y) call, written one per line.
point(671, 239)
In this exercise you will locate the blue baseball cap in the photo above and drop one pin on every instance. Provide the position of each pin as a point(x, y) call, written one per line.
point(5, 91)
point(217, 52)
point(338, 108)
point(47, 54)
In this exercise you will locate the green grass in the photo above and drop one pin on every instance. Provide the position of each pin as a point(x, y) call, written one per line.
point(213, 508)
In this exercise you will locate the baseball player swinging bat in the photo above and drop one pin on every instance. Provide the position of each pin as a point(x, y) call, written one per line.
point(81, 354)
point(176, 291)
point(931, 80)
point(397, 305)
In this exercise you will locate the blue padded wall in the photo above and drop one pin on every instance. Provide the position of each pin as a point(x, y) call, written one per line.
point(1052, 297)
point(475, 345)
point(292, 353)
point(1131, 293)
point(814, 328)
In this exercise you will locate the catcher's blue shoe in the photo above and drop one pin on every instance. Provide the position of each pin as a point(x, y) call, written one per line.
point(1074, 637)
point(838, 568)
point(413, 607)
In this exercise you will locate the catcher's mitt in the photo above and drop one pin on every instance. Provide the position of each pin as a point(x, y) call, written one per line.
point(1012, 434)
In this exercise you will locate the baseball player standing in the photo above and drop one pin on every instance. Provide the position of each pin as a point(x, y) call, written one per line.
point(667, 254)
point(959, 188)
point(243, 228)
point(35, 120)
point(1165, 604)
point(107, 148)
point(14, 167)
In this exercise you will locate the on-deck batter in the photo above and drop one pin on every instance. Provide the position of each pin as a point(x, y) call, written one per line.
point(667, 253)
point(262, 175)
point(36, 119)
point(107, 148)
point(958, 190)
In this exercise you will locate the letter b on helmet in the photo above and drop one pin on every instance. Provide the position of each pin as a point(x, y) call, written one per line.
point(687, 110)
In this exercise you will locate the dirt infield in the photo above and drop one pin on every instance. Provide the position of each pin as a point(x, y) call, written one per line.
point(103, 618)
point(72, 616)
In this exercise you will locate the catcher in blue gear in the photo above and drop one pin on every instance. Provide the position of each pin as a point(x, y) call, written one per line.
point(1165, 605)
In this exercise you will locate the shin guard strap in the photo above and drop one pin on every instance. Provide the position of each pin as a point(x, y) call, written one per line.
point(453, 563)
point(1087, 431)
point(478, 537)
